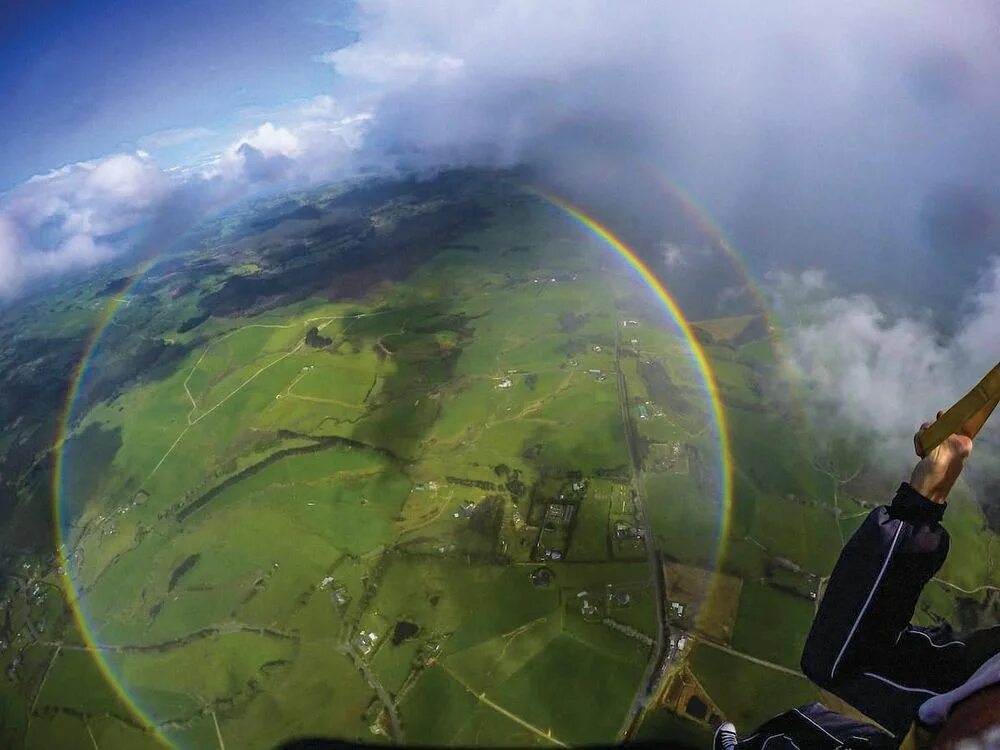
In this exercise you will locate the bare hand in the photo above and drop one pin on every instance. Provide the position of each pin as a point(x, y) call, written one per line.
point(938, 471)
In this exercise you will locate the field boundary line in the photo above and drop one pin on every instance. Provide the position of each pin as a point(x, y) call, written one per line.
point(218, 732)
point(754, 659)
point(211, 631)
point(240, 387)
point(984, 587)
point(45, 677)
point(481, 697)
point(327, 319)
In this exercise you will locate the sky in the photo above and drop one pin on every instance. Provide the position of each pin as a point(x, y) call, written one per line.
point(848, 149)
point(85, 79)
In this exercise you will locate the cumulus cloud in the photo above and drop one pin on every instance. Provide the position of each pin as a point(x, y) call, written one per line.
point(85, 213)
point(879, 372)
point(305, 142)
point(11, 273)
point(98, 197)
point(66, 219)
point(264, 154)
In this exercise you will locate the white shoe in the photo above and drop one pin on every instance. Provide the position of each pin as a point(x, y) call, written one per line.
point(725, 737)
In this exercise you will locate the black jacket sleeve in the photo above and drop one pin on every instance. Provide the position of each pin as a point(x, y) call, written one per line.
point(873, 591)
point(861, 645)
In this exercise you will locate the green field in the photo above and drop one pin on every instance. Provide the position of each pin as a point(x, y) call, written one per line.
point(291, 485)
point(748, 693)
point(761, 634)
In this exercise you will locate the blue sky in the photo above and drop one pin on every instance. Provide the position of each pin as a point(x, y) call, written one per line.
point(85, 79)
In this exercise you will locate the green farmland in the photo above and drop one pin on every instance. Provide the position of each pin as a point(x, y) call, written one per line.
point(413, 472)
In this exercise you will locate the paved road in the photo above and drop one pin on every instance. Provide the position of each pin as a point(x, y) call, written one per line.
point(383, 694)
point(650, 678)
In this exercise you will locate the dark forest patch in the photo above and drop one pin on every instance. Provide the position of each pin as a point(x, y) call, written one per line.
point(115, 286)
point(364, 261)
point(989, 499)
point(192, 323)
point(34, 374)
point(182, 570)
point(569, 321)
point(317, 340)
point(282, 214)
point(487, 517)
point(974, 614)
point(531, 451)
point(662, 389)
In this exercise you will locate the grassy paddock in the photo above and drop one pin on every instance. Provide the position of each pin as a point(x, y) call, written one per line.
point(748, 693)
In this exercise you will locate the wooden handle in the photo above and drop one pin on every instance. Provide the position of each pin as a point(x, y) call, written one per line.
point(966, 417)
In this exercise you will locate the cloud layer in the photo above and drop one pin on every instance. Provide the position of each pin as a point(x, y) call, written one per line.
point(880, 373)
point(857, 137)
point(859, 133)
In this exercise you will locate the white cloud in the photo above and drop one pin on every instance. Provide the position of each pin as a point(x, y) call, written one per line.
point(316, 140)
point(130, 179)
point(69, 218)
point(817, 130)
point(76, 251)
point(58, 222)
point(97, 197)
point(272, 141)
point(880, 373)
point(674, 256)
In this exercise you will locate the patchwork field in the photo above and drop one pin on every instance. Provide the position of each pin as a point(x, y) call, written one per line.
point(446, 478)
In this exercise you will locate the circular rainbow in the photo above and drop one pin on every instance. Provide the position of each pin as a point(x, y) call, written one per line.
point(59, 492)
point(702, 365)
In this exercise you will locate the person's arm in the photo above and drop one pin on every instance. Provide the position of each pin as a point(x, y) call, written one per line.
point(861, 645)
point(874, 588)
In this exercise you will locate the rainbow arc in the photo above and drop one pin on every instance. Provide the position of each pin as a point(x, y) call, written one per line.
point(702, 366)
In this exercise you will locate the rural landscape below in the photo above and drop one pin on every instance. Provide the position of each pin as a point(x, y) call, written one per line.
point(417, 462)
